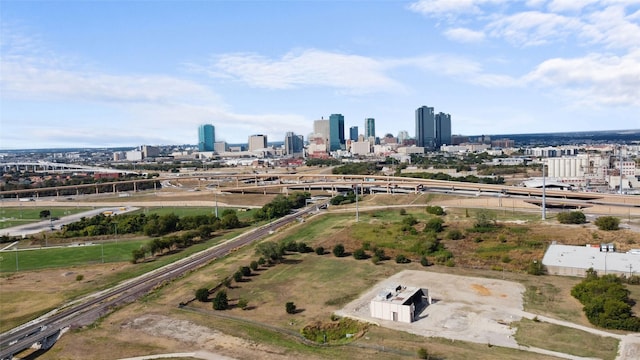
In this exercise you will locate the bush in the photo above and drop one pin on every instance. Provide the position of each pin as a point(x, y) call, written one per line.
point(375, 259)
point(290, 307)
point(243, 303)
point(320, 250)
point(226, 282)
point(237, 276)
point(450, 263)
point(254, 265)
point(423, 354)
point(338, 250)
point(359, 254)
point(572, 217)
point(454, 234)
point(379, 252)
point(401, 259)
point(435, 210)
point(403, 212)
point(435, 225)
point(608, 223)
point(535, 268)
point(79, 277)
point(202, 294)
point(221, 302)
point(424, 261)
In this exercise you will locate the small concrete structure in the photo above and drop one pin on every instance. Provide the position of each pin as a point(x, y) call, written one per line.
point(576, 260)
point(399, 303)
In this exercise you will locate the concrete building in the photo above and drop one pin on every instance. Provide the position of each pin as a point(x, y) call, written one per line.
point(150, 151)
point(134, 155)
point(257, 142)
point(369, 127)
point(576, 260)
point(399, 303)
point(403, 136)
point(336, 132)
point(206, 137)
point(220, 147)
point(361, 147)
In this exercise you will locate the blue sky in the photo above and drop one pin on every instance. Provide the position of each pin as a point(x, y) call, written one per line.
point(126, 73)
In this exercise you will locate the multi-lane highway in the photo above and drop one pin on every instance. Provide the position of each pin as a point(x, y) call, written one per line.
point(45, 330)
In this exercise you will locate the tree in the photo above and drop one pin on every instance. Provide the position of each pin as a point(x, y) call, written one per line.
point(572, 217)
point(423, 354)
point(485, 219)
point(359, 254)
point(45, 214)
point(608, 223)
point(320, 250)
point(290, 307)
point(237, 276)
point(401, 259)
point(454, 234)
point(338, 250)
point(254, 265)
point(245, 270)
point(435, 210)
point(424, 261)
point(202, 294)
point(535, 268)
point(270, 250)
point(221, 302)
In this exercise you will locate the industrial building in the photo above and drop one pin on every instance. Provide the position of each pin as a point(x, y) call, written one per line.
point(576, 260)
point(399, 303)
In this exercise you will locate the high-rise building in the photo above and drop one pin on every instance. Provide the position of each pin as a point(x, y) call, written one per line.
point(257, 142)
point(293, 144)
point(443, 129)
point(321, 127)
point(353, 133)
point(336, 132)
point(425, 128)
point(432, 131)
point(206, 137)
point(403, 136)
point(369, 127)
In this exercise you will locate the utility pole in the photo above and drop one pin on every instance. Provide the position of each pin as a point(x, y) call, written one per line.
point(544, 194)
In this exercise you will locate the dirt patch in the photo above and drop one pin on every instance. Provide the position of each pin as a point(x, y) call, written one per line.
point(481, 290)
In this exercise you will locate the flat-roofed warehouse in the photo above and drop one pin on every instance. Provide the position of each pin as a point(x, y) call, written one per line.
point(576, 260)
point(399, 303)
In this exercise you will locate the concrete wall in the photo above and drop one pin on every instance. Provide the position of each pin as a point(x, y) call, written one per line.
point(384, 310)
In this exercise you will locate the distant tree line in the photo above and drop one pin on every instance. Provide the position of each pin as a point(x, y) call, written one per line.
point(361, 168)
point(150, 225)
point(281, 206)
point(469, 178)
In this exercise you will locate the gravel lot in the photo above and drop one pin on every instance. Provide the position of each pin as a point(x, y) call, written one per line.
point(464, 308)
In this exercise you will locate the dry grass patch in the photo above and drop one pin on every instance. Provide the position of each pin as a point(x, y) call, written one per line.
point(565, 340)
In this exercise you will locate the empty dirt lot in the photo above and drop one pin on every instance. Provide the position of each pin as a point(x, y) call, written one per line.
point(464, 308)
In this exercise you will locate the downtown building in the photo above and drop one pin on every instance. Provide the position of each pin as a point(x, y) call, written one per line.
point(293, 145)
point(206, 137)
point(432, 130)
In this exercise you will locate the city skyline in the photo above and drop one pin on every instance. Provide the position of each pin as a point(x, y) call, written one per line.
point(108, 74)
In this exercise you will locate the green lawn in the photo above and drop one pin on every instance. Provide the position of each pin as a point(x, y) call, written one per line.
point(14, 216)
point(68, 256)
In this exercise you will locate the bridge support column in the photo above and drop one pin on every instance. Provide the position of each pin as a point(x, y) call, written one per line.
point(135, 186)
point(57, 193)
point(114, 188)
point(96, 189)
point(77, 191)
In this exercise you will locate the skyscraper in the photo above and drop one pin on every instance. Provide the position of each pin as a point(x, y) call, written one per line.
point(425, 128)
point(293, 144)
point(443, 129)
point(369, 128)
point(257, 142)
point(206, 137)
point(353, 133)
point(336, 132)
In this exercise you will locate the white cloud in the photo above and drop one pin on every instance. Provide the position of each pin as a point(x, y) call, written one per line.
point(594, 80)
point(439, 7)
point(533, 28)
point(569, 5)
point(352, 74)
point(464, 35)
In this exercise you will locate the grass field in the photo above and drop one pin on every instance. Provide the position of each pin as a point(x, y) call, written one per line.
point(67, 256)
point(565, 340)
point(15, 216)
